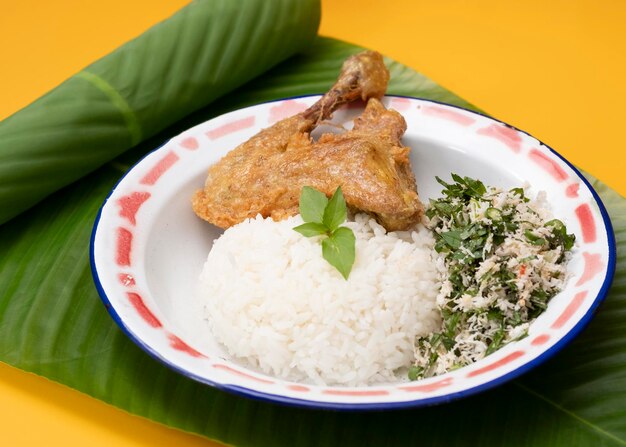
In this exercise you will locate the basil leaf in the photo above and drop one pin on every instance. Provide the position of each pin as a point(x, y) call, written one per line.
point(335, 212)
point(339, 250)
point(310, 229)
point(312, 204)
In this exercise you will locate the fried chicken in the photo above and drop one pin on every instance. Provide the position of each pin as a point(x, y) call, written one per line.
point(265, 174)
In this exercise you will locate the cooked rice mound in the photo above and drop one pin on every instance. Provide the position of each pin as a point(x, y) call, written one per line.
point(278, 307)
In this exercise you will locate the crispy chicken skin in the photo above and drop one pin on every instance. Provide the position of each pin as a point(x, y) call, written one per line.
point(265, 174)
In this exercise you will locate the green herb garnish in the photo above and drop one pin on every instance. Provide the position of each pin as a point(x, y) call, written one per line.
point(323, 217)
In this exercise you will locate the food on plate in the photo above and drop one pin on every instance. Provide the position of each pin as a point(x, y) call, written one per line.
point(277, 306)
point(502, 257)
point(417, 303)
point(265, 174)
point(393, 292)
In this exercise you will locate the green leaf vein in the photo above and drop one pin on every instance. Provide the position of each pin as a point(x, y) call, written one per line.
point(570, 413)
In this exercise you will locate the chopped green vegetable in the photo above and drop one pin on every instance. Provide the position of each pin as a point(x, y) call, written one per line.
point(490, 293)
point(496, 342)
point(323, 217)
point(556, 224)
point(415, 372)
point(559, 234)
point(452, 238)
point(464, 186)
point(494, 214)
point(533, 238)
point(520, 193)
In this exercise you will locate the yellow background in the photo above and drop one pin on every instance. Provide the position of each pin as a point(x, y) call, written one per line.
point(555, 69)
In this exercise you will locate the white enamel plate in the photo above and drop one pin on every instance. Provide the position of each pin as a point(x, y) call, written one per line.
point(148, 248)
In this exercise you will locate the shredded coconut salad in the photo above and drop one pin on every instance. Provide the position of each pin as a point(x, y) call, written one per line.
point(501, 257)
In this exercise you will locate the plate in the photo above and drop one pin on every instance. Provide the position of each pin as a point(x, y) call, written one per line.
point(148, 248)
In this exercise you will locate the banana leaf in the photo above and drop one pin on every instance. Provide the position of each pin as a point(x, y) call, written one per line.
point(204, 51)
point(52, 323)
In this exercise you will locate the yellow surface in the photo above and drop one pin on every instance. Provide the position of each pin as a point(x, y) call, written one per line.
point(555, 69)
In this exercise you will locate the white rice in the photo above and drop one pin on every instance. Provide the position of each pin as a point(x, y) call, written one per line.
point(279, 307)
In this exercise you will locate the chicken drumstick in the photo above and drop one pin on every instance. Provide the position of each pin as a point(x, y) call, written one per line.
point(265, 174)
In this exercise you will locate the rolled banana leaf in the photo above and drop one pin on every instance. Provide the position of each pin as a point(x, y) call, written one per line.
point(204, 51)
point(53, 323)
